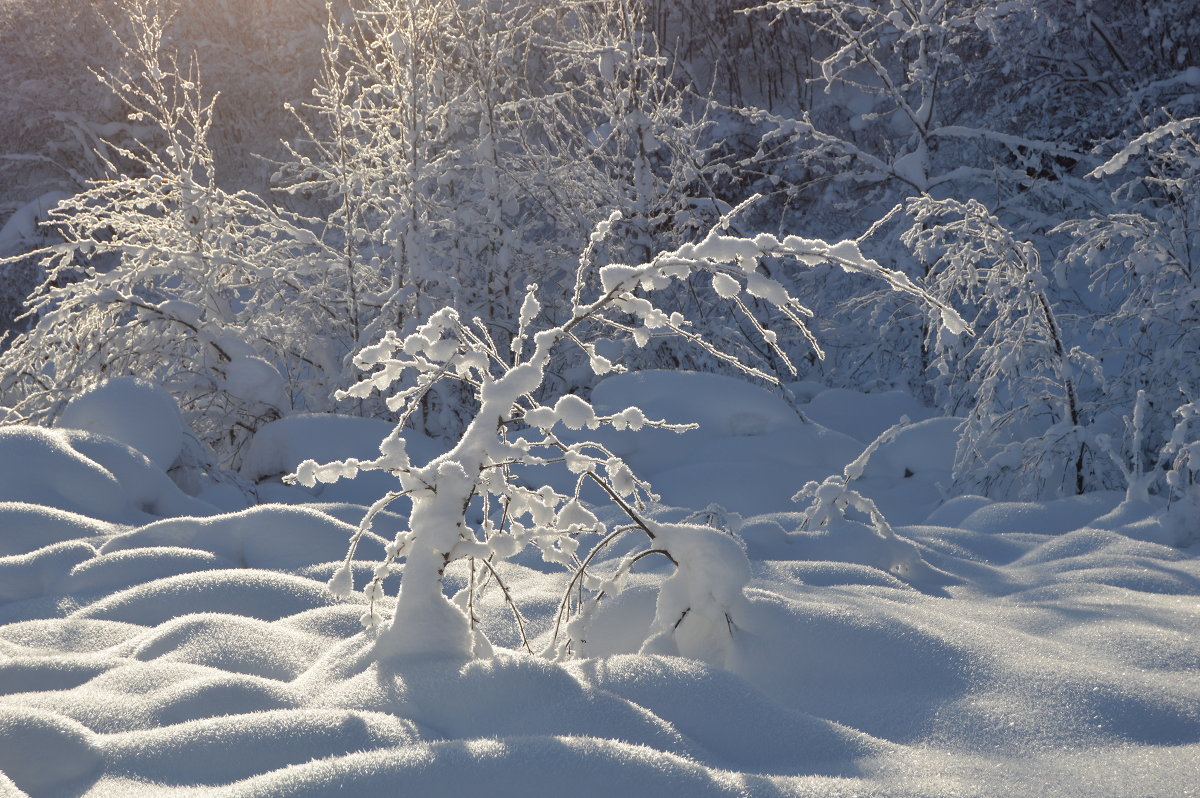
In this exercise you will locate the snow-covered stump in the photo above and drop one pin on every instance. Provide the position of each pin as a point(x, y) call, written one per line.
point(515, 426)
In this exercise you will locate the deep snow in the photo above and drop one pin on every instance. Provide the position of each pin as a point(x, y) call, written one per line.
point(153, 643)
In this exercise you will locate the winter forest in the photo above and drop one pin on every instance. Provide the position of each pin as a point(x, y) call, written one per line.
point(599, 397)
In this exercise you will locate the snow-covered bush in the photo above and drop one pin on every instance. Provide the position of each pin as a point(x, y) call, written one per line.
point(855, 528)
point(516, 425)
point(1017, 381)
point(1144, 269)
point(830, 499)
point(160, 273)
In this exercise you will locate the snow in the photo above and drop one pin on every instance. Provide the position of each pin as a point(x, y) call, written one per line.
point(252, 377)
point(43, 750)
point(863, 415)
point(750, 453)
point(279, 447)
point(134, 411)
point(86, 474)
point(150, 645)
point(21, 227)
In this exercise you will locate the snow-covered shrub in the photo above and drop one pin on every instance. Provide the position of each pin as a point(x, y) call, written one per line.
point(1017, 381)
point(516, 425)
point(855, 527)
point(1144, 268)
point(1181, 456)
point(53, 120)
point(1080, 73)
point(160, 273)
point(831, 499)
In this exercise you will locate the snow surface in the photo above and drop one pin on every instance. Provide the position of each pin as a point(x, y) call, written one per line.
point(136, 412)
point(151, 646)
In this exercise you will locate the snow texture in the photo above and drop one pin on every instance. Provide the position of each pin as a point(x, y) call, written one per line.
point(136, 412)
point(1049, 649)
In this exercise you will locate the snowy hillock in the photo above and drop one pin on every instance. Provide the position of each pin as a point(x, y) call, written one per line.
point(152, 645)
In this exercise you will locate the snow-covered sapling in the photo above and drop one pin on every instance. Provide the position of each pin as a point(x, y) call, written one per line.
point(1138, 478)
point(518, 423)
point(1141, 256)
point(1018, 380)
point(837, 509)
point(1181, 458)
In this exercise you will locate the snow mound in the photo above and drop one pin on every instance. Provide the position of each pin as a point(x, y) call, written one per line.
point(251, 378)
point(274, 536)
point(1052, 517)
point(257, 594)
point(853, 542)
point(40, 572)
point(41, 751)
point(213, 750)
point(923, 448)
point(31, 526)
point(278, 447)
point(231, 643)
point(863, 416)
point(136, 412)
point(758, 734)
point(86, 474)
point(594, 767)
point(35, 638)
point(722, 406)
point(116, 571)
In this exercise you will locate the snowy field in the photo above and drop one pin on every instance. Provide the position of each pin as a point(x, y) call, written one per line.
point(156, 643)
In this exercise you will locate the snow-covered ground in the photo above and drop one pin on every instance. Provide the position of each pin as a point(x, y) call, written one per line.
point(156, 643)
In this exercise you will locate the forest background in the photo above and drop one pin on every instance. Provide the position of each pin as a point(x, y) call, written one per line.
point(234, 198)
